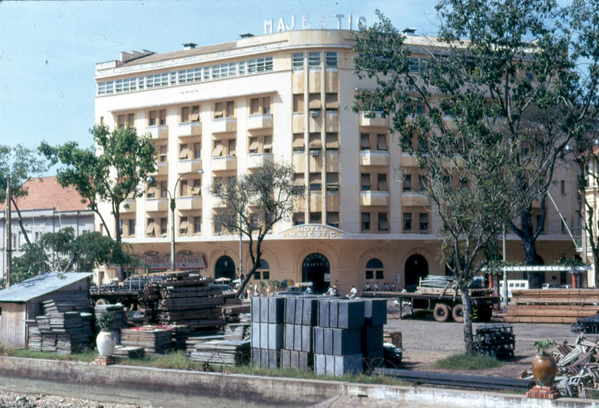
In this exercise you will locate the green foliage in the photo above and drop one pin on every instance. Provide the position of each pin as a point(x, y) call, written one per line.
point(253, 203)
point(105, 320)
point(20, 163)
point(466, 362)
point(543, 347)
point(113, 171)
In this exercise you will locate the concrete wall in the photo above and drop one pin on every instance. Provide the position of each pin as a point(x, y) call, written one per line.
point(265, 391)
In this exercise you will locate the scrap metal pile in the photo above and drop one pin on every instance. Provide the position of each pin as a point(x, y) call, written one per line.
point(496, 340)
point(577, 367)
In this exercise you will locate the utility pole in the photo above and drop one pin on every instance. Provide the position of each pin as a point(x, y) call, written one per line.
point(240, 252)
point(7, 227)
point(505, 291)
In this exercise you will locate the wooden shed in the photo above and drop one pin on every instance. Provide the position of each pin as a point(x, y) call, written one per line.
point(24, 301)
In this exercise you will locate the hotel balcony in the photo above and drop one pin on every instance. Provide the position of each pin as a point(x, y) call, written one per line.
point(256, 160)
point(256, 122)
point(376, 121)
point(298, 123)
point(190, 129)
point(331, 123)
point(224, 125)
point(414, 199)
point(372, 198)
point(128, 206)
point(188, 165)
point(189, 203)
point(158, 131)
point(223, 163)
point(161, 169)
point(374, 158)
point(408, 160)
point(156, 204)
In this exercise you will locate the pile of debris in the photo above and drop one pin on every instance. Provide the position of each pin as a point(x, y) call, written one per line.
point(577, 367)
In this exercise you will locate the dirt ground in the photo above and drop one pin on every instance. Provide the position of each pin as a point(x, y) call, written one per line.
point(426, 341)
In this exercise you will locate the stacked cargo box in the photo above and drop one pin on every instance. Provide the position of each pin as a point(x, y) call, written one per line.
point(375, 317)
point(338, 337)
point(267, 331)
point(301, 315)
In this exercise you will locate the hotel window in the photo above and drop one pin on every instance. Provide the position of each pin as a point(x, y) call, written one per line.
point(230, 109)
point(365, 221)
point(253, 144)
point(260, 144)
point(421, 185)
point(126, 85)
point(407, 182)
point(162, 153)
point(218, 185)
point(298, 61)
point(218, 149)
point(382, 182)
point(151, 190)
point(219, 110)
point(197, 225)
point(197, 150)
point(298, 103)
point(224, 148)
point(196, 190)
point(242, 68)
point(183, 226)
point(254, 221)
point(190, 114)
point(315, 218)
point(127, 119)
point(150, 228)
point(260, 65)
point(157, 80)
point(121, 223)
point(260, 106)
point(131, 227)
point(163, 192)
point(332, 141)
point(163, 226)
point(190, 75)
point(313, 59)
point(315, 181)
point(333, 219)
point(231, 147)
point(298, 218)
point(418, 64)
point(383, 222)
point(423, 222)
point(331, 59)
point(264, 268)
point(381, 142)
point(206, 73)
point(374, 267)
point(407, 222)
point(183, 151)
point(184, 188)
point(299, 181)
point(267, 144)
point(365, 181)
point(332, 181)
point(299, 144)
point(364, 141)
point(157, 118)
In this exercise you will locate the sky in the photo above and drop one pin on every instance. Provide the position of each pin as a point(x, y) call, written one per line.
point(48, 50)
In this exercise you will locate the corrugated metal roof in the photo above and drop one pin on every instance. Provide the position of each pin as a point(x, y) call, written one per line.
point(40, 285)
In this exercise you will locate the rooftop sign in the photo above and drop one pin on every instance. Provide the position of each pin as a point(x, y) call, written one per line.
point(304, 22)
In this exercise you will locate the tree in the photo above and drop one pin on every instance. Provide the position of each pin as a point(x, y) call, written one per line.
point(471, 114)
point(254, 203)
point(112, 172)
point(18, 164)
point(64, 252)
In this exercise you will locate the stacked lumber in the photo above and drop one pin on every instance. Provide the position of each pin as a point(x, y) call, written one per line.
point(577, 367)
point(237, 331)
point(552, 305)
point(119, 317)
point(153, 340)
point(188, 301)
point(192, 341)
point(233, 308)
point(446, 285)
point(222, 352)
point(62, 333)
point(61, 304)
point(180, 334)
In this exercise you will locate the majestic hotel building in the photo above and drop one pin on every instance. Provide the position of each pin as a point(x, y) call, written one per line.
point(228, 108)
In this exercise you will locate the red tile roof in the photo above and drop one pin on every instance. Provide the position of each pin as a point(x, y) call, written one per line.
point(45, 192)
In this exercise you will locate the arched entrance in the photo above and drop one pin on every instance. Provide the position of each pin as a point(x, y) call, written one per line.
point(316, 269)
point(224, 268)
point(416, 268)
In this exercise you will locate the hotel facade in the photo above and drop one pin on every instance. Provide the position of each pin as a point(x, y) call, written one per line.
point(287, 97)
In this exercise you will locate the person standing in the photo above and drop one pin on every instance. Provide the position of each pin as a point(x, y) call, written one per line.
point(376, 286)
point(353, 293)
point(367, 285)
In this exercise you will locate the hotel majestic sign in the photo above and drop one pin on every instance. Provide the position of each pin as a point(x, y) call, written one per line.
point(313, 231)
point(304, 22)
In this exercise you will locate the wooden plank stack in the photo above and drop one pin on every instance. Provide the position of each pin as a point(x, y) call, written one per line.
point(61, 304)
point(62, 333)
point(185, 301)
point(153, 340)
point(34, 341)
point(552, 305)
point(222, 352)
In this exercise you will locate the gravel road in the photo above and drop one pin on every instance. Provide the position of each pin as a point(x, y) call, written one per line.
point(425, 341)
point(21, 400)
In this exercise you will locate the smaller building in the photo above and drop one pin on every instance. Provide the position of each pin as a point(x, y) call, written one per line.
point(24, 301)
point(47, 207)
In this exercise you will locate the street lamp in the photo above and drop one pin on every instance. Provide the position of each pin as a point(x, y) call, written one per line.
point(173, 206)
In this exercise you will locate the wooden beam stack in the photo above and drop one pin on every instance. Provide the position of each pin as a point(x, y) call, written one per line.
point(552, 305)
point(222, 352)
point(153, 340)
